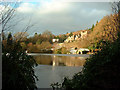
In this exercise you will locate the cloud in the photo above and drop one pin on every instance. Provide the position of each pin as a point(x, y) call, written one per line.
point(4, 7)
point(53, 7)
point(42, 7)
point(61, 17)
point(26, 8)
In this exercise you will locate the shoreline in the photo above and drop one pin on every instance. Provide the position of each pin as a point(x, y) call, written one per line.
point(73, 55)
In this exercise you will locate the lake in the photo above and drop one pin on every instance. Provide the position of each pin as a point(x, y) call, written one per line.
point(53, 68)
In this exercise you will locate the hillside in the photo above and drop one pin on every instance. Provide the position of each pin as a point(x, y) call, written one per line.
point(103, 32)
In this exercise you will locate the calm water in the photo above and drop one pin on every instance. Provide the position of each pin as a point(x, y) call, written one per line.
point(54, 67)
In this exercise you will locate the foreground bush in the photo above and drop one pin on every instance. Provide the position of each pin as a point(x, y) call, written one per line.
point(101, 71)
point(17, 67)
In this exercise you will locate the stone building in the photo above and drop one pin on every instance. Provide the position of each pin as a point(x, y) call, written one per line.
point(84, 34)
point(77, 36)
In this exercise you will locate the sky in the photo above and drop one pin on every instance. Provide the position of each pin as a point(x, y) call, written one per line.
point(58, 17)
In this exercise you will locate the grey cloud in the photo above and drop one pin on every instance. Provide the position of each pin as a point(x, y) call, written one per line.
point(76, 17)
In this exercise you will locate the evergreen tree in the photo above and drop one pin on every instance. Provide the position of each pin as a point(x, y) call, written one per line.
point(9, 39)
point(70, 34)
point(92, 27)
point(18, 72)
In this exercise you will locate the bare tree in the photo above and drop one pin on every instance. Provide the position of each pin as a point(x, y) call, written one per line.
point(116, 7)
point(8, 14)
point(116, 11)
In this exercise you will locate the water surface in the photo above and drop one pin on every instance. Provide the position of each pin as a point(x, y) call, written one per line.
point(51, 74)
point(60, 59)
point(53, 68)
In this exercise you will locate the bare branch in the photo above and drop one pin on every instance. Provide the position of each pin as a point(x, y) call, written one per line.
point(8, 13)
point(116, 7)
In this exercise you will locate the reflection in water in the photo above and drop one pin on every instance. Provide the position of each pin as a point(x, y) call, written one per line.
point(53, 68)
point(60, 60)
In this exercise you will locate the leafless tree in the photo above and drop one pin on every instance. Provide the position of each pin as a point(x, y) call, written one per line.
point(116, 10)
point(8, 13)
point(116, 7)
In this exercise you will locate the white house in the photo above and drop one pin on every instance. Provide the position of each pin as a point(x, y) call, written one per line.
point(70, 39)
point(55, 40)
point(82, 51)
point(77, 37)
point(83, 34)
point(73, 51)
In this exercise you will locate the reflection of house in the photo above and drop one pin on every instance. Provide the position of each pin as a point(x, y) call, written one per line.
point(55, 40)
point(55, 62)
point(82, 51)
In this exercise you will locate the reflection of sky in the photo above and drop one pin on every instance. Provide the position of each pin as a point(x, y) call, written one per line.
point(59, 17)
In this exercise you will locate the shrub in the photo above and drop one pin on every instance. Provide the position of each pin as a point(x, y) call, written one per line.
point(18, 72)
point(101, 71)
point(62, 50)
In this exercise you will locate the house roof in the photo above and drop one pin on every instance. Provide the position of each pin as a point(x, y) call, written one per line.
point(83, 49)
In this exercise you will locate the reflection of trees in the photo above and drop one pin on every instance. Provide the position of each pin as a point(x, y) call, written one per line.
point(43, 59)
point(59, 60)
point(71, 61)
